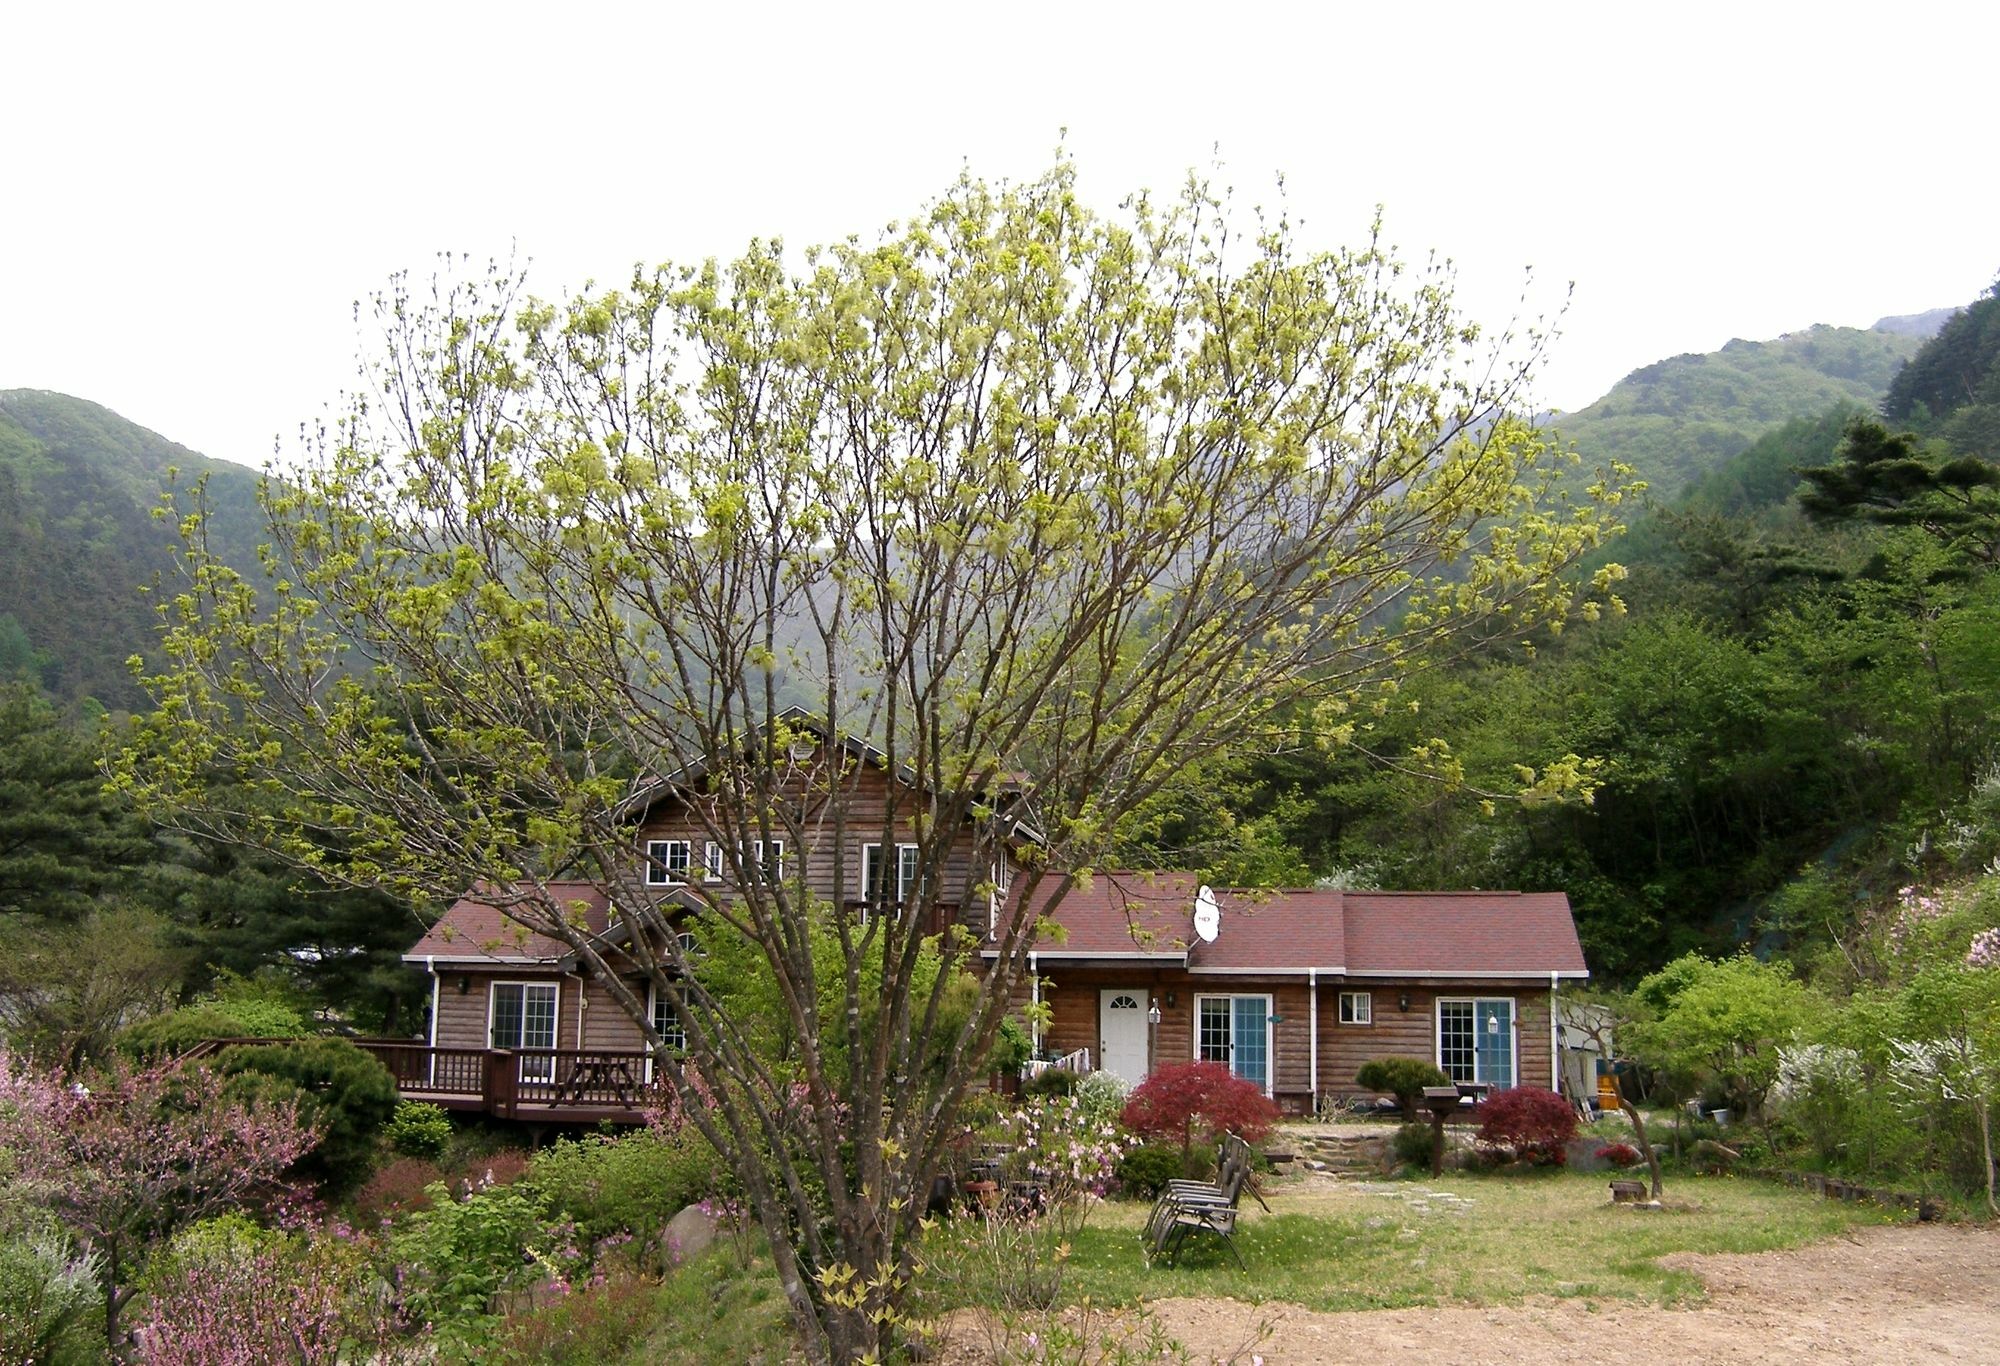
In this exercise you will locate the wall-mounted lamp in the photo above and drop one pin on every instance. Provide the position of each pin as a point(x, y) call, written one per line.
point(464, 985)
point(1403, 1001)
point(1170, 1000)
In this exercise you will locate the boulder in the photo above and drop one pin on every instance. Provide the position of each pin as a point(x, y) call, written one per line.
point(691, 1233)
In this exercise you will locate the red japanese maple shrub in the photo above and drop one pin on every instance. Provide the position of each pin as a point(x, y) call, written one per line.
point(1534, 1123)
point(1198, 1100)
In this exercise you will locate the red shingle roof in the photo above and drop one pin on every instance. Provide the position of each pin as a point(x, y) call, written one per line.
point(475, 930)
point(1120, 915)
point(1404, 934)
point(1461, 934)
point(1261, 930)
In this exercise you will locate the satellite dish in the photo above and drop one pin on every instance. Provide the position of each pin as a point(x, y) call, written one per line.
point(1207, 915)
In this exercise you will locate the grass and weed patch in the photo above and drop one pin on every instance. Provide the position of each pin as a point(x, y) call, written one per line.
point(1460, 1241)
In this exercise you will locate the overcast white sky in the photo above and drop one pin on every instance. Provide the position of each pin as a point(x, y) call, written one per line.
point(192, 196)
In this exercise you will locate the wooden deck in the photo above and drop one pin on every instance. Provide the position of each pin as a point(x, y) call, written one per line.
point(546, 1085)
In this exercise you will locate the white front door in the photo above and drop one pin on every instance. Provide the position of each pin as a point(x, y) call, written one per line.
point(1121, 1024)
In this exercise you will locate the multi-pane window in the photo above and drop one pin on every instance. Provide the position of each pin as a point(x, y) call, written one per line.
point(1357, 1008)
point(668, 1024)
point(1476, 1040)
point(767, 856)
point(712, 863)
point(522, 1015)
point(1236, 1030)
point(875, 873)
point(667, 862)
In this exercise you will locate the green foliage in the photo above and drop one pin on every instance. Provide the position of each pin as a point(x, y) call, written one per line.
point(345, 1094)
point(1052, 1081)
point(1403, 1078)
point(1890, 479)
point(1724, 1022)
point(629, 1183)
point(418, 1129)
point(1102, 1096)
point(177, 1031)
point(51, 1311)
point(1012, 1047)
point(1953, 370)
point(1146, 1169)
point(1412, 1145)
point(459, 1255)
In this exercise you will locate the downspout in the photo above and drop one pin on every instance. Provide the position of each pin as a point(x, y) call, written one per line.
point(1555, 1033)
point(579, 1010)
point(1034, 999)
point(1312, 1018)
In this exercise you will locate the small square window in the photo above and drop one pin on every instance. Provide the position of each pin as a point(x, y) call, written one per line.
point(667, 862)
point(1357, 1008)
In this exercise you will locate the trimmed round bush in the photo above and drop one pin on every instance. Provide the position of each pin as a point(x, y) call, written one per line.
point(342, 1092)
point(418, 1129)
point(1148, 1168)
point(1403, 1078)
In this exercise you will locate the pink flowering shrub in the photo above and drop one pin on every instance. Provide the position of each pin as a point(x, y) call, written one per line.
point(129, 1156)
point(228, 1293)
point(1985, 950)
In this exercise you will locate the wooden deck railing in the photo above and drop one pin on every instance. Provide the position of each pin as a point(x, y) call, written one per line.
point(517, 1083)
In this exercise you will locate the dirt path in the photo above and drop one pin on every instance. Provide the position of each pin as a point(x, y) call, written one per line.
point(1912, 1292)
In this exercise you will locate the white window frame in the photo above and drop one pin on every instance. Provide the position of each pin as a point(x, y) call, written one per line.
point(1357, 1008)
point(752, 851)
point(555, 1022)
point(1270, 1032)
point(1513, 1040)
point(908, 871)
point(677, 1040)
point(660, 862)
point(712, 862)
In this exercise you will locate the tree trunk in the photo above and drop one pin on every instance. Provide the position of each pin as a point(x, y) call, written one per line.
point(1631, 1112)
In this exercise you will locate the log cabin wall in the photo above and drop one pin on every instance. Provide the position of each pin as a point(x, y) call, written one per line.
point(1398, 1033)
point(463, 1018)
point(822, 831)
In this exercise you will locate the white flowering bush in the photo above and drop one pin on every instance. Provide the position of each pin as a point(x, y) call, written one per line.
point(1102, 1096)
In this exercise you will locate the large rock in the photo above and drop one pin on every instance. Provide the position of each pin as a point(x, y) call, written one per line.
point(691, 1233)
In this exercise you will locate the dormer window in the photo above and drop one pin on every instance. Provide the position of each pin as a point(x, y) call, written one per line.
point(667, 862)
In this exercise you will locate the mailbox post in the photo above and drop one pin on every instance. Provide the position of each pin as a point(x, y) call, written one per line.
point(1442, 1102)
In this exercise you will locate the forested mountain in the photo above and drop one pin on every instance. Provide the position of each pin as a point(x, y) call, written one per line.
point(1799, 713)
point(1677, 418)
point(77, 538)
point(1803, 698)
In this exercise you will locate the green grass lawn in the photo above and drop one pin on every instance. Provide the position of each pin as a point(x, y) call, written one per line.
point(1469, 1241)
point(1460, 1241)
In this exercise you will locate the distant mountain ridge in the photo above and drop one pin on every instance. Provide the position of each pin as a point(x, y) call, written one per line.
point(78, 484)
point(1678, 418)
